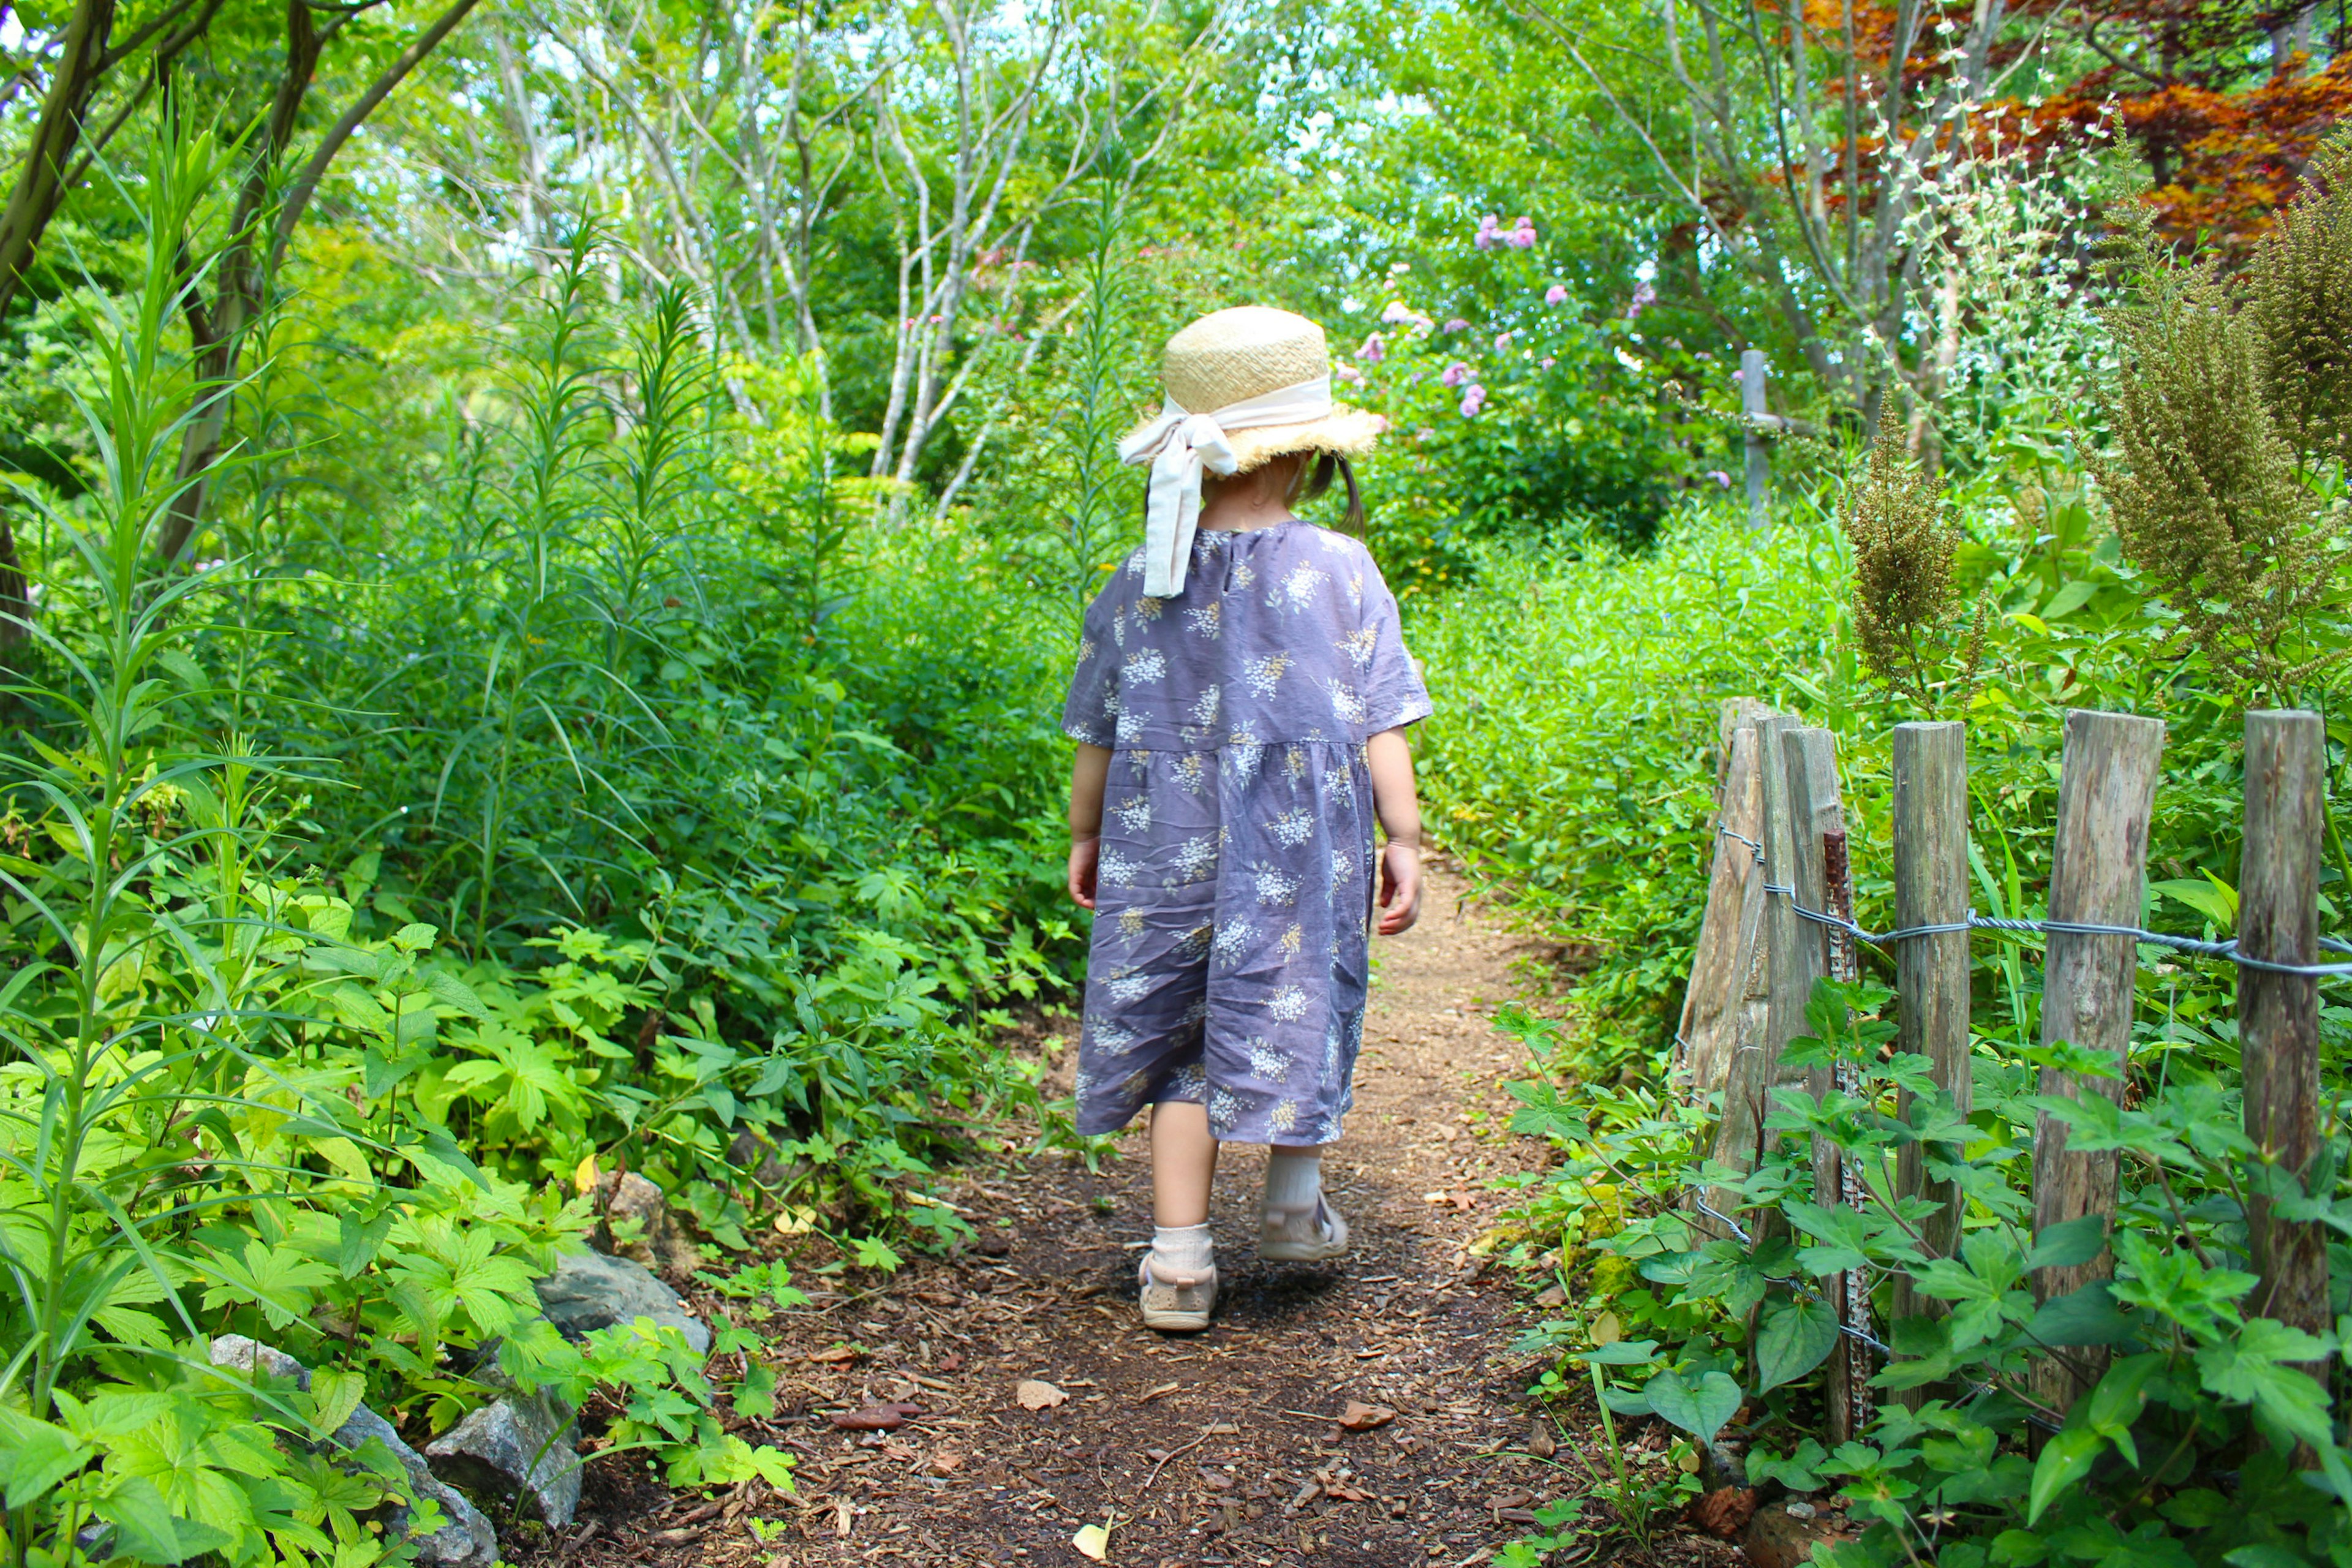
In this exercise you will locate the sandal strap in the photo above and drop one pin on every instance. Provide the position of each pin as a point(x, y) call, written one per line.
point(1177, 1281)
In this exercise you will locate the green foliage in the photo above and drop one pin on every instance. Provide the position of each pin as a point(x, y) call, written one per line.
point(345, 928)
point(2194, 1376)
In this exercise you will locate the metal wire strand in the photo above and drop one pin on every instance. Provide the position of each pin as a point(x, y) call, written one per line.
point(2194, 947)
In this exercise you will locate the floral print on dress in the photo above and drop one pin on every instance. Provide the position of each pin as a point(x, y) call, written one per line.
point(1231, 956)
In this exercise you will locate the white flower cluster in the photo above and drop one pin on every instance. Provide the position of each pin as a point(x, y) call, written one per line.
point(1292, 828)
point(1265, 675)
point(1276, 886)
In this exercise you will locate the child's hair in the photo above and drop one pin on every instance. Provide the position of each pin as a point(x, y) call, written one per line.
point(1312, 479)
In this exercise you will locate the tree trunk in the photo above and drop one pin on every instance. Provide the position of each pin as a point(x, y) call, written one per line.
point(41, 181)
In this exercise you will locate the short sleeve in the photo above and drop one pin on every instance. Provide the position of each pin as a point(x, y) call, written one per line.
point(1091, 715)
point(1393, 693)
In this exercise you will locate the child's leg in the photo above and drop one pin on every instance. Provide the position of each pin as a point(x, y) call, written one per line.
point(1179, 1277)
point(1294, 1223)
point(1184, 1164)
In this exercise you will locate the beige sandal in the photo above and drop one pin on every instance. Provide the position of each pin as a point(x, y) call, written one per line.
point(1178, 1305)
point(1314, 1234)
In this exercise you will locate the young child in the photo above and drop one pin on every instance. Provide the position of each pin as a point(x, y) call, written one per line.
point(1239, 706)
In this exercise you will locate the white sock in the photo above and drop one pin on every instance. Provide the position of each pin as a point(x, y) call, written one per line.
point(1294, 1178)
point(1181, 1249)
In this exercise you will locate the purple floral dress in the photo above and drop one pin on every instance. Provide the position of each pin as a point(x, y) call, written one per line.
point(1234, 900)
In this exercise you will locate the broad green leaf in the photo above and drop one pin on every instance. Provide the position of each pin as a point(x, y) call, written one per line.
point(2065, 1460)
point(2086, 1317)
point(414, 937)
point(359, 1240)
point(2207, 895)
point(35, 1457)
point(335, 1392)
point(2070, 597)
point(1700, 1409)
point(2254, 1367)
point(447, 988)
point(1795, 1338)
point(148, 1530)
point(2069, 1244)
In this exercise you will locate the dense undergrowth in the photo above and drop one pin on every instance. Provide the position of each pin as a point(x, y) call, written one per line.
point(1575, 765)
point(370, 890)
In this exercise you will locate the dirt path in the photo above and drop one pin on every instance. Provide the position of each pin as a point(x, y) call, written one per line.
point(1219, 1450)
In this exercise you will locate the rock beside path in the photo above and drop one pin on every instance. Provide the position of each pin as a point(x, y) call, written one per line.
point(593, 1291)
point(517, 1441)
point(466, 1541)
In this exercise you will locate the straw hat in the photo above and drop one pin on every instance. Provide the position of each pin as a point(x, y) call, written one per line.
point(1243, 386)
point(1234, 355)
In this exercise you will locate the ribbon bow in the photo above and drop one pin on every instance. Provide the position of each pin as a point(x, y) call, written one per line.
point(1179, 444)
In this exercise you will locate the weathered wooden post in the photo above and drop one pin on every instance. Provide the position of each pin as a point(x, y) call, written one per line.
point(1820, 883)
point(1753, 412)
point(1931, 972)
point(1747, 1078)
point(2106, 788)
point(1726, 932)
point(2278, 1015)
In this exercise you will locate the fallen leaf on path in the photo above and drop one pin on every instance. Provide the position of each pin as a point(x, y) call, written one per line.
point(838, 1355)
point(1035, 1394)
point(1540, 1442)
point(1551, 1296)
point(876, 1417)
point(1361, 1417)
point(1607, 1330)
point(1093, 1542)
point(947, 1461)
point(1345, 1493)
point(951, 1361)
point(1149, 1395)
point(1216, 1480)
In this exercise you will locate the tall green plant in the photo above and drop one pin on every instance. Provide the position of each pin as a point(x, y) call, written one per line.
point(76, 1228)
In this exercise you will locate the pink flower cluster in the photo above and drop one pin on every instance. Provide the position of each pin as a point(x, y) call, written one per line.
point(1375, 350)
point(1556, 295)
point(1520, 235)
point(1348, 373)
point(1455, 373)
point(1400, 314)
point(1474, 398)
point(1457, 325)
point(1643, 297)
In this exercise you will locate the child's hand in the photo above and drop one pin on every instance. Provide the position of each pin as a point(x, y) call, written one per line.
point(1399, 887)
point(1085, 854)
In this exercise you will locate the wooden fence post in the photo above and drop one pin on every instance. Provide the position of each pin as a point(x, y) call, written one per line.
point(1820, 880)
point(2278, 1015)
point(1931, 972)
point(1754, 411)
point(2106, 788)
point(1726, 932)
point(1748, 1078)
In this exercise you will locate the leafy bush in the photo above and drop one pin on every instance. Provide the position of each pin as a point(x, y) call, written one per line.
point(1588, 692)
point(362, 891)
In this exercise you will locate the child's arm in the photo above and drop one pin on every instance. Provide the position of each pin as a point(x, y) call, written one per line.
point(1087, 776)
point(1395, 801)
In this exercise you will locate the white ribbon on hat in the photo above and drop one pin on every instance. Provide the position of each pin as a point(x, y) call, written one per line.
point(1179, 444)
